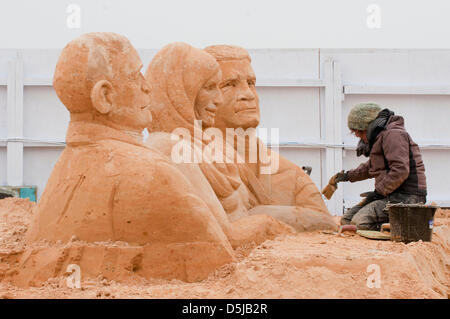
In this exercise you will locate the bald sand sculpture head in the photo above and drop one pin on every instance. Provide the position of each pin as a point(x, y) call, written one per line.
point(98, 78)
point(240, 107)
point(184, 82)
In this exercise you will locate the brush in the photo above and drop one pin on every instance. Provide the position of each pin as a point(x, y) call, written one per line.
point(329, 190)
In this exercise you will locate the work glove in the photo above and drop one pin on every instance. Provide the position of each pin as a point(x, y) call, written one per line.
point(340, 177)
point(329, 190)
point(371, 197)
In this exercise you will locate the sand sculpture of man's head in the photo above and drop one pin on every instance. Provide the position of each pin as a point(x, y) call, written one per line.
point(240, 107)
point(184, 82)
point(98, 79)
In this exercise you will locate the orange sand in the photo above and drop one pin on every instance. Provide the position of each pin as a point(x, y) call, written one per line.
point(15, 217)
point(305, 265)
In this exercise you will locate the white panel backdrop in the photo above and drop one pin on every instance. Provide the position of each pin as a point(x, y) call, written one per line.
point(306, 94)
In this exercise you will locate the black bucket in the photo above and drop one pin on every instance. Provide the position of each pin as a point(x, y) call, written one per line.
point(411, 222)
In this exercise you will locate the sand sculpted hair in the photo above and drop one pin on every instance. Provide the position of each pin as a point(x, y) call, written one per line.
point(84, 61)
point(228, 52)
point(176, 74)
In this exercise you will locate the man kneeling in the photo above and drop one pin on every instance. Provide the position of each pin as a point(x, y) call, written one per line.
point(394, 161)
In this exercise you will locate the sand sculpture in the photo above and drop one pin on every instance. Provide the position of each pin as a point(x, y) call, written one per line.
point(178, 74)
point(113, 206)
point(286, 193)
point(184, 82)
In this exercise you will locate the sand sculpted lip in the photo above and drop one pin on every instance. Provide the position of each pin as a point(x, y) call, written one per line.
point(211, 109)
point(249, 110)
point(242, 107)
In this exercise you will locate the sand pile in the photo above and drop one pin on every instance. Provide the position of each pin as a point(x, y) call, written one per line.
point(15, 217)
point(442, 217)
point(305, 265)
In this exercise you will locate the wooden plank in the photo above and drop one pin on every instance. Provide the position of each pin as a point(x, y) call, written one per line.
point(338, 196)
point(421, 146)
point(14, 153)
point(329, 132)
point(289, 82)
point(38, 82)
point(397, 90)
point(259, 83)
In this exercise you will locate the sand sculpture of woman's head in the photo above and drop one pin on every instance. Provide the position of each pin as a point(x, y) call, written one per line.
point(240, 107)
point(184, 82)
point(98, 79)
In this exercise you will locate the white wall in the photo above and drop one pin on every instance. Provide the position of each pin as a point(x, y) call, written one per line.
point(419, 72)
point(249, 23)
point(301, 93)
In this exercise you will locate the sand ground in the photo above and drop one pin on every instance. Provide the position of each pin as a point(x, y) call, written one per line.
point(305, 265)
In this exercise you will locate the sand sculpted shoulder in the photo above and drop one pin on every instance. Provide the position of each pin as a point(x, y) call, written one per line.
point(295, 199)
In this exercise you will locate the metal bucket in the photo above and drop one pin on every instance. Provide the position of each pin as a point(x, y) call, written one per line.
point(411, 222)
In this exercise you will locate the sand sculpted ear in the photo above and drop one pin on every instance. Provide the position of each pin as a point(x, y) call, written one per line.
point(101, 96)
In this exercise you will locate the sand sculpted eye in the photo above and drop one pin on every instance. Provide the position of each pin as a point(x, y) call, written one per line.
point(231, 83)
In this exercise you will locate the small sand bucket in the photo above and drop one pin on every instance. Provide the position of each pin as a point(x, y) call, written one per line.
point(411, 222)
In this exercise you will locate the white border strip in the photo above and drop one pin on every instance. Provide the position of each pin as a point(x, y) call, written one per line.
point(397, 90)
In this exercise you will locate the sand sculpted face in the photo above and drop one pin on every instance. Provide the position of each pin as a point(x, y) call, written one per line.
point(184, 82)
point(207, 99)
point(240, 107)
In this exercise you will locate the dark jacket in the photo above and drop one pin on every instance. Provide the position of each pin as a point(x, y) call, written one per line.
point(394, 161)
